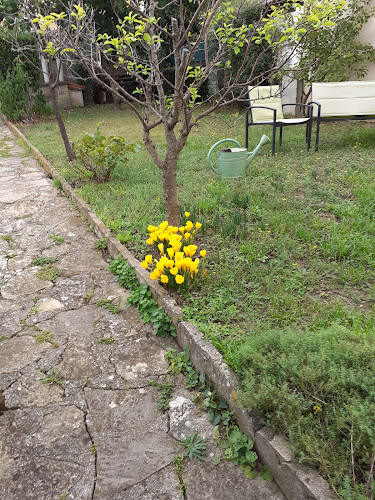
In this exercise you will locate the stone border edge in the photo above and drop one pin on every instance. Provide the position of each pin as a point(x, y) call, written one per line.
point(296, 481)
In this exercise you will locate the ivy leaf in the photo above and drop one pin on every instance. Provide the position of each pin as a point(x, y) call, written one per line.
point(216, 419)
point(250, 473)
point(266, 473)
point(251, 456)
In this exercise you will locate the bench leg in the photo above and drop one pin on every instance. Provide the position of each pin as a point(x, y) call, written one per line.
point(317, 134)
point(273, 139)
point(308, 135)
point(247, 130)
point(281, 136)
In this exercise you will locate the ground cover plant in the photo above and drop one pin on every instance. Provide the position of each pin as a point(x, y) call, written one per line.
point(290, 261)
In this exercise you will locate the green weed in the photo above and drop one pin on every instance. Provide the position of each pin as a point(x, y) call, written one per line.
point(101, 244)
point(88, 296)
point(195, 447)
point(8, 238)
point(166, 389)
point(106, 340)
point(107, 304)
point(48, 273)
point(44, 336)
point(124, 238)
point(58, 240)
point(150, 312)
point(179, 465)
point(43, 261)
point(125, 274)
point(52, 378)
point(57, 183)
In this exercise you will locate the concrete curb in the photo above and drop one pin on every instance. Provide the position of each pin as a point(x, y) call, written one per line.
point(297, 482)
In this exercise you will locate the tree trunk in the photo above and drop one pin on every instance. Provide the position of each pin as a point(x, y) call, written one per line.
point(109, 67)
point(116, 99)
point(169, 176)
point(60, 122)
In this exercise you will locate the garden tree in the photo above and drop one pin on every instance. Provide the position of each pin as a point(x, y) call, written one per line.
point(334, 54)
point(175, 103)
point(44, 31)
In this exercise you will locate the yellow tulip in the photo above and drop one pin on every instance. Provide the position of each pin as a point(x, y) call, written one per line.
point(161, 247)
point(203, 253)
point(179, 279)
point(187, 214)
point(163, 225)
point(182, 229)
point(144, 264)
point(153, 276)
point(148, 259)
point(198, 225)
point(164, 279)
point(174, 271)
point(187, 236)
point(150, 241)
point(170, 252)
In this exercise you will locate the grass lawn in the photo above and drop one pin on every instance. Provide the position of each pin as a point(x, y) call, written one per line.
point(290, 295)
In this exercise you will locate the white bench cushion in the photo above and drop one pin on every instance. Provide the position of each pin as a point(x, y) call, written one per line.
point(345, 98)
point(270, 96)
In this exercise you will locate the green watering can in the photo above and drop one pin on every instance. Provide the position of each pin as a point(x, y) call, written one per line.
point(232, 162)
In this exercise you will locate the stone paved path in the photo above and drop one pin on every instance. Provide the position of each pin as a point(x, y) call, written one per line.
point(49, 432)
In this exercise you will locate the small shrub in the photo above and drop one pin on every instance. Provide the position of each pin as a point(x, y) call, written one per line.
point(319, 388)
point(98, 155)
point(13, 92)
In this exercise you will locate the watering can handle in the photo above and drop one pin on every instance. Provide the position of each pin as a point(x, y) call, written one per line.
point(213, 147)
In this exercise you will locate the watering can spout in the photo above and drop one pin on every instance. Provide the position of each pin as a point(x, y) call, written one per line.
point(264, 140)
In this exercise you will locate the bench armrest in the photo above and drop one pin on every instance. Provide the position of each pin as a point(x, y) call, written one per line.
point(260, 107)
point(316, 104)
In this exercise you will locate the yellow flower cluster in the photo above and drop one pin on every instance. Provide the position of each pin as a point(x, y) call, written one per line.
point(176, 265)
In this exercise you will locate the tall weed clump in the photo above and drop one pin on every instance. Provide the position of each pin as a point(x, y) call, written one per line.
point(318, 388)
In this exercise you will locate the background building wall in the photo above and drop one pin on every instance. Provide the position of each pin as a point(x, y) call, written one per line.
point(368, 35)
